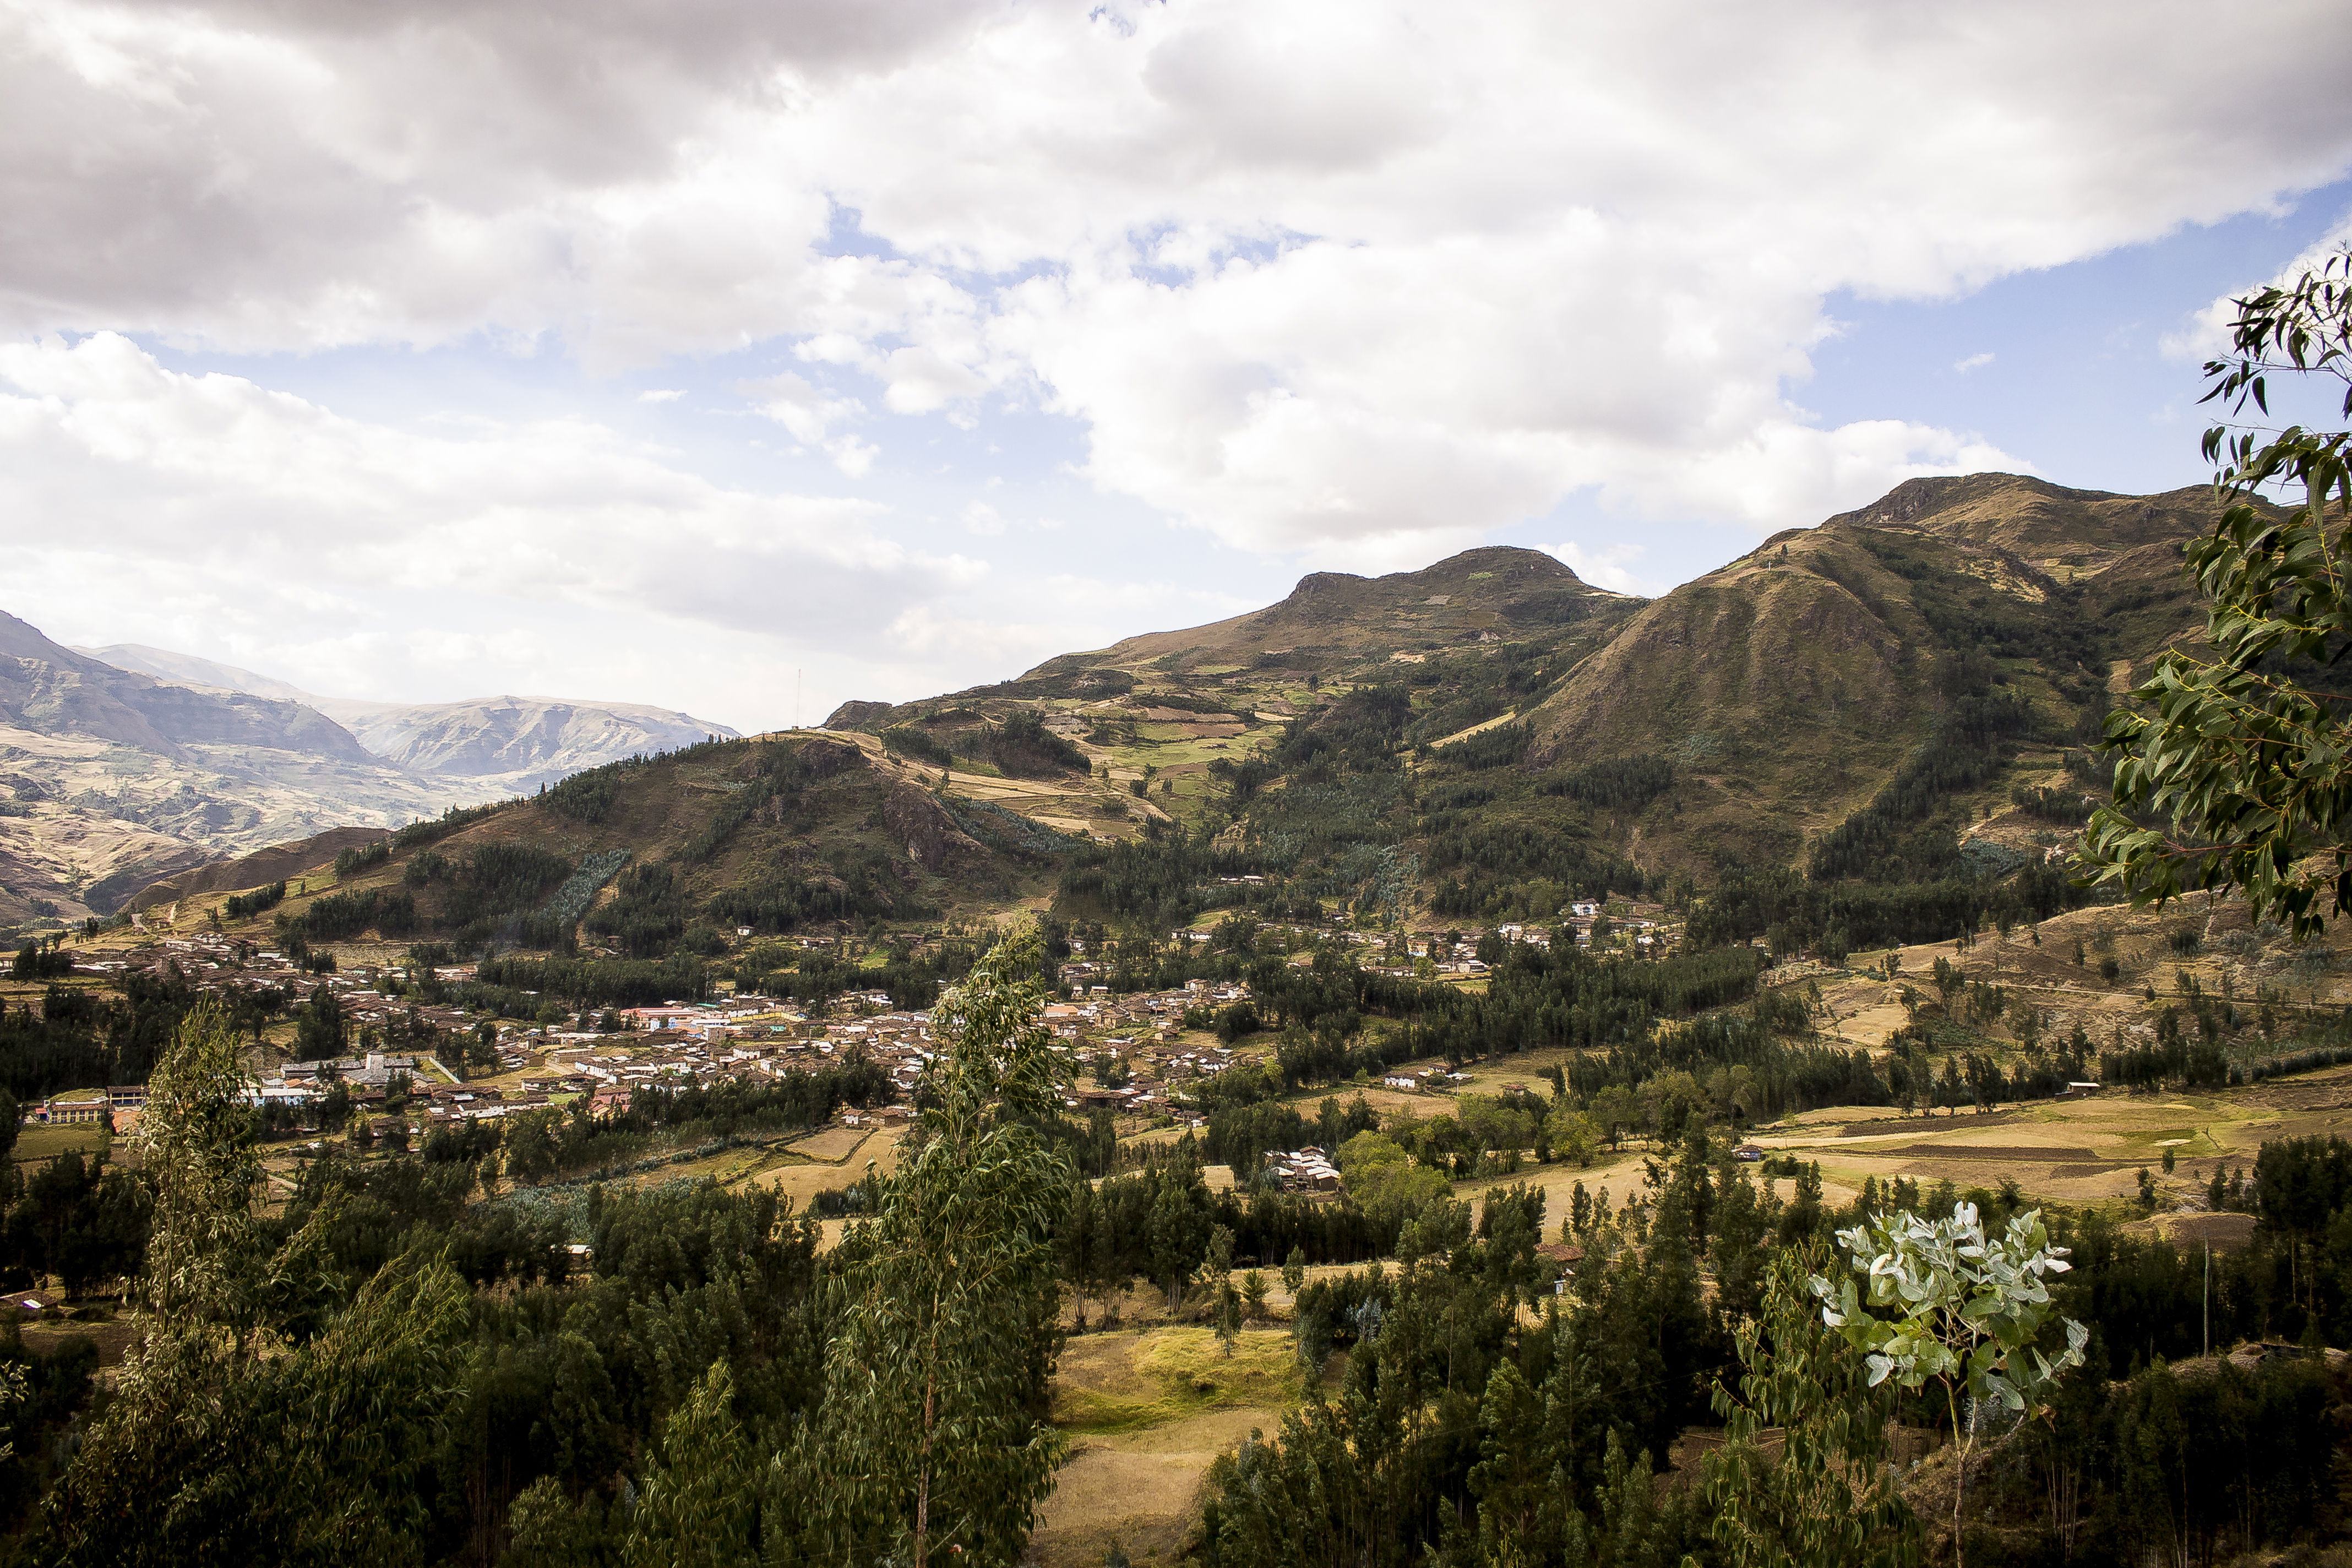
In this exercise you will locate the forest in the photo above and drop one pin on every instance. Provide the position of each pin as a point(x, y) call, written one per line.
point(508, 1346)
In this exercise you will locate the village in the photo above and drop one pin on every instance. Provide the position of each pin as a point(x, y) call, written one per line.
point(415, 1064)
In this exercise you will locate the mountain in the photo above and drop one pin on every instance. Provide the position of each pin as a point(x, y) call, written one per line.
point(643, 858)
point(111, 778)
point(49, 689)
point(509, 744)
point(1789, 684)
point(120, 766)
point(1481, 737)
point(1473, 637)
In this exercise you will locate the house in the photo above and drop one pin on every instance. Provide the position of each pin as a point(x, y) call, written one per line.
point(84, 1109)
point(1750, 1152)
point(1563, 1256)
point(1404, 1081)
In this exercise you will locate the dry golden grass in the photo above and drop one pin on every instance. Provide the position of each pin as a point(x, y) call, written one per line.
point(1148, 1413)
point(834, 1144)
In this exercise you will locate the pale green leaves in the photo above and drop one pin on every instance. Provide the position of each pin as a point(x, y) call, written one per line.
point(1969, 1309)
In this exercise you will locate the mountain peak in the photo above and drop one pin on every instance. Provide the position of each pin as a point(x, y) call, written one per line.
point(2046, 524)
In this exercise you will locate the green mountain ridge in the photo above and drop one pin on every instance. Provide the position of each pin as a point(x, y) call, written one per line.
point(1850, 706)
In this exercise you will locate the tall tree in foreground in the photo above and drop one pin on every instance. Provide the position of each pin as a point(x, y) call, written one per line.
point(1824, 1495)
point(255, 1422)
point(933, 1437)
point(2247, 751)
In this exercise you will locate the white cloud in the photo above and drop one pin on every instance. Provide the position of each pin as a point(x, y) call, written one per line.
point(982, 519)
point(262, 508)
point(661, 395)
point(810, 414)
point(2206, 335)
point(1973, 361)
point(1356, 284)
point(1607, 567)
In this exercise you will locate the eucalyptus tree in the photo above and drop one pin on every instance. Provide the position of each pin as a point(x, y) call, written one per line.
point(1822, 1496)
point(256, 1418)
point(932, 1437)
point(2245, 745)
point(1967, 1313)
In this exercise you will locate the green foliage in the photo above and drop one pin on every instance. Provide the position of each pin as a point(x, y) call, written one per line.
point(932, 1435)
point(1968, 1311)
point(1824, 1495)
point(260, 901)
point(1503, 746)
point(351, 862)
point(910, 740)
point(2248, 754)
point(587, 797)
point(1898, 836)
point(455, 819)
point(1614, 783)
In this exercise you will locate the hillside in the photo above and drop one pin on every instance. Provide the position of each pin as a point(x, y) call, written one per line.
point(1789, 684)
point(1486, 736)
point(805, 832)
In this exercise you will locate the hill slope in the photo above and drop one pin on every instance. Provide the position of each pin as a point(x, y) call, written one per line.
point(698, 851)
point(1789, 683)
point(1484, 738)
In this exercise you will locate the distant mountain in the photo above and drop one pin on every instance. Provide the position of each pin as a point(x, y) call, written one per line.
point(50, 690)
point(769, 835)
point(123, 766)
point(511, 744)
point(111, 778)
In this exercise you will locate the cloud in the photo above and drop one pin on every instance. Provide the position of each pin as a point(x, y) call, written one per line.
point(1605, 567)
point(1974, 362)
point(661, 395)
point(810, 414)
point(2206, 335)
point(1318, 279)
point(228, 500)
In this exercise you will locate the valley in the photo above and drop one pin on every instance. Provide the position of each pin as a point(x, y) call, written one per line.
point(1464, 980)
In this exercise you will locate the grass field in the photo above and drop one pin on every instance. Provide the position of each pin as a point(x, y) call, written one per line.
point(1147, 1413)
point(37, 1144)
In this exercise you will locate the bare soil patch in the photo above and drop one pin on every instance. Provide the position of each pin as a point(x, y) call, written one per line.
point(1988, 1152)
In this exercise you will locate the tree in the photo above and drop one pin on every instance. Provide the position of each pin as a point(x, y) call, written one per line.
point(932, 1432)
point(319, 1029)
point(1572, 1133)
point(251, 1423)
point(698, 1507)
point(2248, 751)
point(1822, 1497)
point(1968, 1312)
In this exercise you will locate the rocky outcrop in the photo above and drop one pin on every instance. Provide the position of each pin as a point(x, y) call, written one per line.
point(933, 840)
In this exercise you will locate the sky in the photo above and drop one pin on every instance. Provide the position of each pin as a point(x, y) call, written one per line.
point(744, 357)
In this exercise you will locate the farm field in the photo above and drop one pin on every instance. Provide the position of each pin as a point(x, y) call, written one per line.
point(36, 1145)
point(2085, 1150)
point(1145, 1414)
